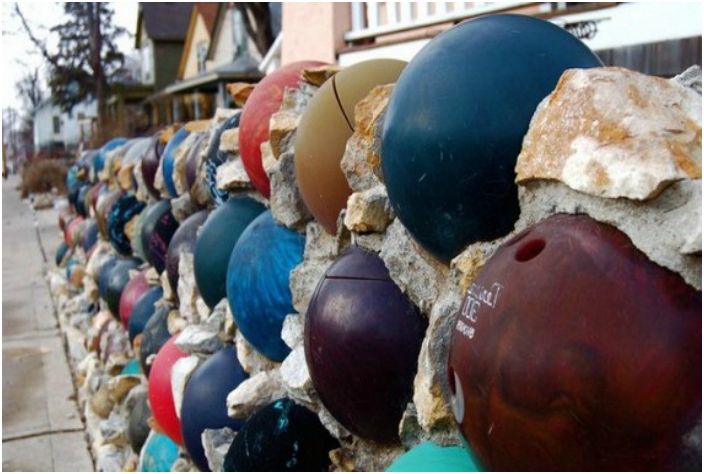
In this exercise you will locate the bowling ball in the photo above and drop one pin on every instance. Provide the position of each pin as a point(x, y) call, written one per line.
point(154, 336)
point(137, 426)
point(132, 368)
point(264, 100)
point(205, 401)
point(101, 159)
point(158, 454)
point(161, 399)
point(65, 217)
point(158, 227)
point(89, 236)
point(362, 338)
point(72, 230)
point(168, 160)
point(104, 274)
point(576, 352)
point(258, 289)
point(216, 239)
point(72, 181)
point(150, 163)
point(81, 208)
point(121, 213)
point(142, 310)
point(214, 157)
point(61, 252)
point(133, 290)
point(105, 203)
point(183, 240)
point(430, 457)
point(92, 198)
point(282, 436)
point(321, 138)
point(118, 277)
point(449, 147)
point(138, 231)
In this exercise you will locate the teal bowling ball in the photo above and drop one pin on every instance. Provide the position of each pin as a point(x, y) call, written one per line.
point(455, 124)
point(430, 457)
point(159, 453)
point(258, 289)
point(168, 162)
point(216, 239)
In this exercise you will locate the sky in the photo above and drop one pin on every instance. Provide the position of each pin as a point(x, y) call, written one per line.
point(17, 53)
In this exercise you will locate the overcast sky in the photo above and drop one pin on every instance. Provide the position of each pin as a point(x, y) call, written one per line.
point(18, 54)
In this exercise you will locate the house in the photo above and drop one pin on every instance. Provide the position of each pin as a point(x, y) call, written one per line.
point(56, 131)
point(655, 38)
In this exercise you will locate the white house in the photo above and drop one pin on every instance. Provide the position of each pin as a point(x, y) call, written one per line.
point(54, 128)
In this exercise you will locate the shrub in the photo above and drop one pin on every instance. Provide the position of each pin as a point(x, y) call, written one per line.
point(41, 176)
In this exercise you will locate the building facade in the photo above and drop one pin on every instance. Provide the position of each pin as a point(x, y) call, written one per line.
point(58, 132)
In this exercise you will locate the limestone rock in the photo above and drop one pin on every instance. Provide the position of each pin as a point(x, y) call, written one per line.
point(232, 176)
point(114, 429)
point(331, 424)
point(180, 373)
point(369, 456)
point(187, 289)
point(287, 206)
point(691, 78)
point(614, 133)
point(198, 339)
point(254, 393)
point(368, 211)
point(101, 403)
point(169, 294)
point(296, 379)
point(42, 201)
point(183, 206)
point(318, 75)
point(118, 387)
point(292, 330)
point(252, 361)
point(416, 273)
point(240, 91)
point(110, 458)
point(362, 153)
point(282, 126)
point(175, 323)
point(230, 140)
point(216, 443)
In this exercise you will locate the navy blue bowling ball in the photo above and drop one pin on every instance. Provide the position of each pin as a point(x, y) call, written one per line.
point(143, 310)
point(214, 157)
point(169, 159)
point(216, 239)
point(455, 124)
point(81, 200)
point(183, 240)
point(90, 235)
point(258, 283)
point(61, 252)
point(125, 209)
point(104, 274)
point(154, 335)
point(158, 226)
point(117, 278)
point(204, 401)
point(282, 436)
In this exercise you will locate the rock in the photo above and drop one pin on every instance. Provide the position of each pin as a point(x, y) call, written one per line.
point(231, 176)
point(331, 424)
point(42, 201)
point(180, 373)
point(118, 387)
point(362, 153)
point(183, 464)
point(690, 78)
point(110, 458)
point(368, 211)
point(230, 140)
point(183, 206)
point(614, 133)
point(282, 127)
point(175, 323)
point(414, 271)
point(296, 379)
point(252, 361)
point(240, 91)
point(369, 456)
point(198, 339)
point(287, 206)
point(216, 443)
point(216, 319)
point(114, 429)
point(169, 294)
point(101, 403)
point(292, 330)
point(152, 276)
point(317, 76)
point(187, 289)
point(256, 392)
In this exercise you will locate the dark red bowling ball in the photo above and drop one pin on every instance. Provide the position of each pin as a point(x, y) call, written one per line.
point(574, 352)
point(134, 289)
point(254, 125)
point(362, 339)
point(183, 240)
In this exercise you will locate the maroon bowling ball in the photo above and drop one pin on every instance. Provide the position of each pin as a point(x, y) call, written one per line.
point(135, 288)
point(183, 240)
point(574, 352)
point(362, 339)
point(150, 163)
point(158, 227)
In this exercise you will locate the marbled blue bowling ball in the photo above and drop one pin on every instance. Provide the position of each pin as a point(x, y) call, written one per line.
point(125, 208)
point(455, 124)
point(159, 454)
point(282, 436)
point(430, 457)
point(158, 226)
point(169, 159)
point(214, 157)
point(142, 310)
point(104, 274)
point(204, 400)
point(117, 278)
point(258, 283)
point(90, 235)
point(61, 252)
point(216, 239)
point(99, 162)
point(154, 335)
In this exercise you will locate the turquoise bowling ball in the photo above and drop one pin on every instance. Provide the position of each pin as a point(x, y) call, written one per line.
point(158, 453)
point(430, 457)
point(216, 239)
point(258, 283)
point(131, 368)
point(455, 124)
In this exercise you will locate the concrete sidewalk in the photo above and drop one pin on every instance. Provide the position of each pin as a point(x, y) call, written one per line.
point(42, 429)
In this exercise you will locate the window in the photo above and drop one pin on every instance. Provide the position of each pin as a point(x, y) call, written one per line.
point(81, 116)
point(201, 55)
point(57, 125)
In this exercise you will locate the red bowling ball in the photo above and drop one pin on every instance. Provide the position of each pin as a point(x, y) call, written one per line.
point(572, 351)
point(71, 230)
point(161, 399)
point(254, 125)
point(134, 289)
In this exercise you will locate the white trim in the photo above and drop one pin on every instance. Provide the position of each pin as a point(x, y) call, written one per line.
point(272, 54)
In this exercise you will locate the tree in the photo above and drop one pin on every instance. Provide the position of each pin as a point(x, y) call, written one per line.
point(257, 21)
point(87, 56)
point(29, 90)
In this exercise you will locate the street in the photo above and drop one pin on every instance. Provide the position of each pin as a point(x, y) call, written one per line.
point(42, 429)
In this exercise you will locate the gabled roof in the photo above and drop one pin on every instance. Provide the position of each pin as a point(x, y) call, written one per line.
point(207, 11)
point(163, 21)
